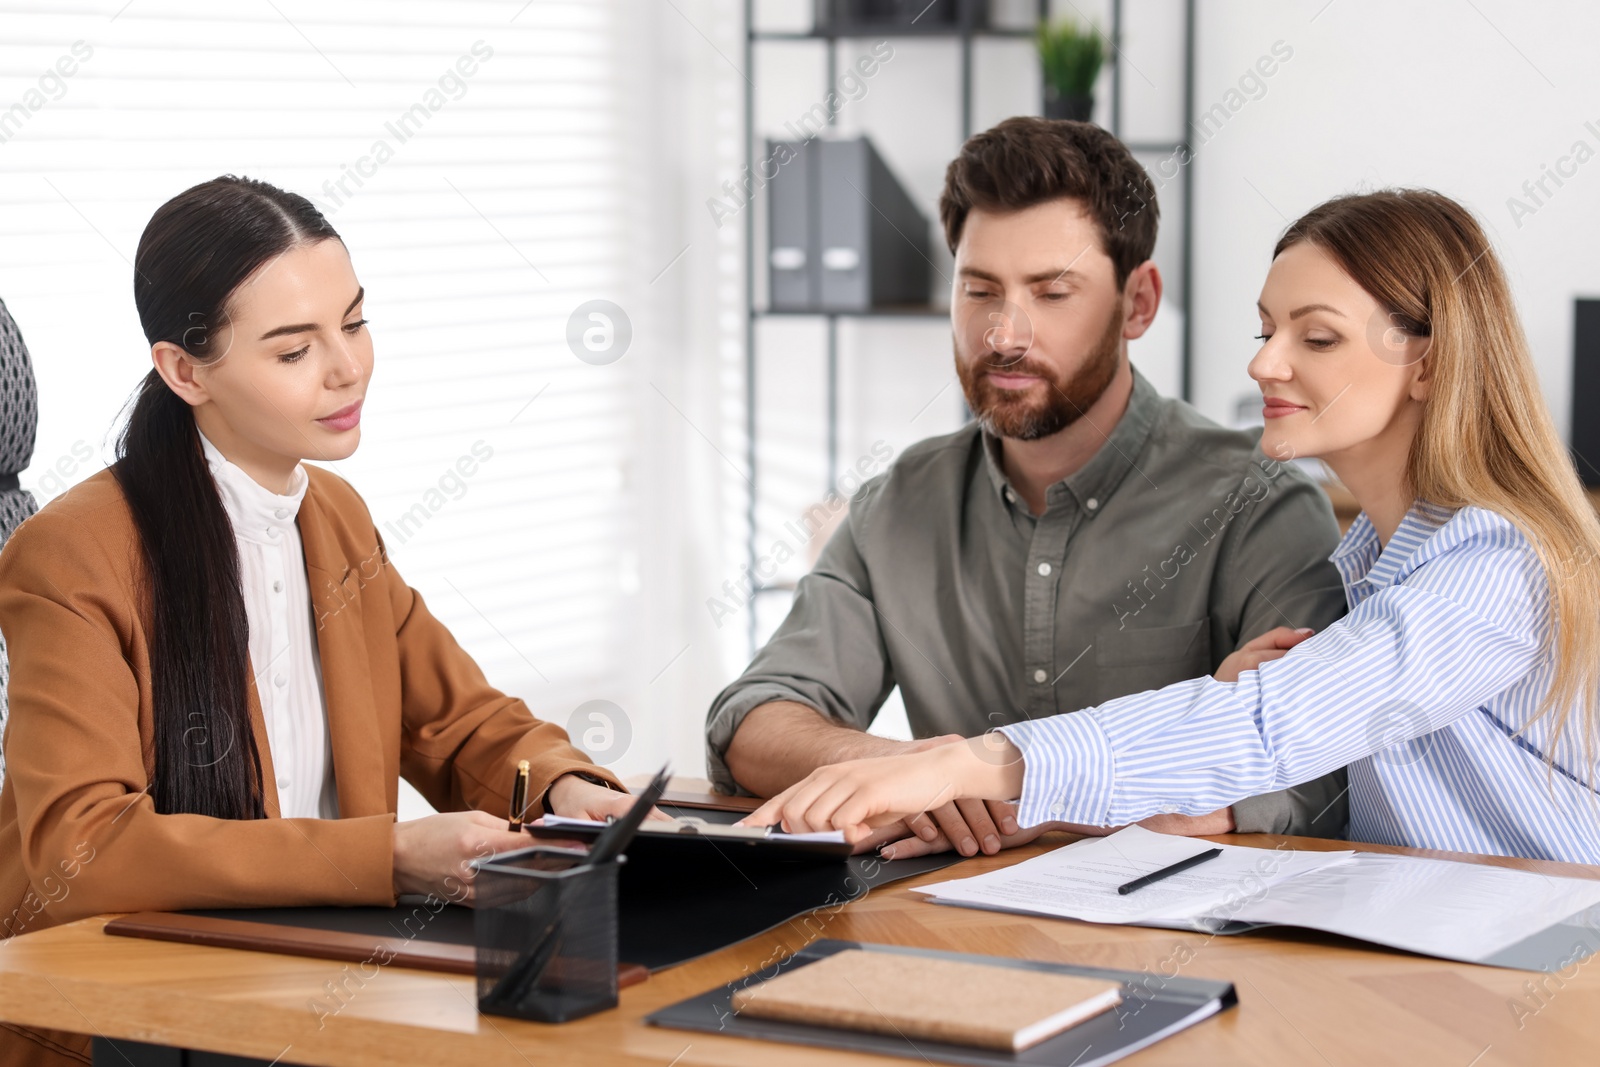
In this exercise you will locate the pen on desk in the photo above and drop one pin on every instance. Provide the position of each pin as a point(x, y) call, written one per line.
point(519, 797)
point(1168, 872)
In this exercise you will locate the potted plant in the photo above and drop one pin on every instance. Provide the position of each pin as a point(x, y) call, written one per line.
point(1070, 57)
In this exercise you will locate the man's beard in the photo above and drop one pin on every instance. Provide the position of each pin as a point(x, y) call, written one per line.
point(1017, 413)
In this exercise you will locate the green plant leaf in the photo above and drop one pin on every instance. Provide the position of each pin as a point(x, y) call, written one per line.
point(1071, 56)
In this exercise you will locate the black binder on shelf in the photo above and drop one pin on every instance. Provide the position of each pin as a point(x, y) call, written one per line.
point(1150, 1010)
point(902, 16)
point(843, 234)
point(874, 240)
point(791, 244)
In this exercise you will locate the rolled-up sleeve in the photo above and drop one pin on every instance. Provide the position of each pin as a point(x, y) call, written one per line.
point(829, 653)
point(1195, 746)
point(1275, 572)
point(1318, 808)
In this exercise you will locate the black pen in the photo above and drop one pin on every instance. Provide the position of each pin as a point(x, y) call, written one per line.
point(1168, 872)
point(615, 837)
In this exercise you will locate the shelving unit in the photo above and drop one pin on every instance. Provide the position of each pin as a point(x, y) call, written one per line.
point(963, 35)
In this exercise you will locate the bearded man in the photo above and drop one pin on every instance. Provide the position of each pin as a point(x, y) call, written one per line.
point(1082, 539)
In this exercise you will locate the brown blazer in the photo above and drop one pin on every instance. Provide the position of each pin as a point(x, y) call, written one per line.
point(79, 834)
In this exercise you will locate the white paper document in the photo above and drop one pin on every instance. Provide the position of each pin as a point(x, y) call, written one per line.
point(673, 826)
point(1462, 911)
point(1080, 881)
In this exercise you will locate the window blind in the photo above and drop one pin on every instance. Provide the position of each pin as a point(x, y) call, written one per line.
point(473, 157)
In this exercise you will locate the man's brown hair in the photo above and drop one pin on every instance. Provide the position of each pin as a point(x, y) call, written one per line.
point(1026, 161)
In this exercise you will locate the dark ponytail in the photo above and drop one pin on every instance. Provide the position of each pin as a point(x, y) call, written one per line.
point(196, 251)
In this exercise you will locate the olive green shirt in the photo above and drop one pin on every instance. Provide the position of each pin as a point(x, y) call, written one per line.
point(1178, 541)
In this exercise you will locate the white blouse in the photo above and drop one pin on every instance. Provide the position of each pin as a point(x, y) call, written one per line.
point(283, 647)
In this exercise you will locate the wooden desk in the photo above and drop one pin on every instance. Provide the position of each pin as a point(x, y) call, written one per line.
point(1303, 998)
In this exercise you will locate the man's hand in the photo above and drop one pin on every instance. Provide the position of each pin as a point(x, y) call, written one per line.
point(896, 843)
point(998, 814)
point(967, 826)
point(899, 846)
point(781, 742)
point(1253, 653)
point(1218, 822)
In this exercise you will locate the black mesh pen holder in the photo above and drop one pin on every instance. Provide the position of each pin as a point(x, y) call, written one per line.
point(545, 926)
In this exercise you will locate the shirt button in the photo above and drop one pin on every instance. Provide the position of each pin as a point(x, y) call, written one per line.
point(1044, 570)
point(272, 531)
point(1010, 496)
point(1170, 809)
point(1039, 676)
point(283, 783)
point(1057, 809)
point(280, 681)
point(277, 587)
point(1092, 504)
point(282, 513)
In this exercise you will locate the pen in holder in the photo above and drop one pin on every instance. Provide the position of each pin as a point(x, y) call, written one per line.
point(545, 925)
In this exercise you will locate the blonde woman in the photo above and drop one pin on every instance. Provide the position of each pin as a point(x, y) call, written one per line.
point(1461, 687)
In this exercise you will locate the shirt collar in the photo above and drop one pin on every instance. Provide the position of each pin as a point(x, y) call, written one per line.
point(1092, 485)
point(256, 512)
point(1360, 558)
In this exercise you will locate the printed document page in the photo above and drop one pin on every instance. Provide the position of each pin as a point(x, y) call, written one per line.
point(1080, 881)
point(1462, 911)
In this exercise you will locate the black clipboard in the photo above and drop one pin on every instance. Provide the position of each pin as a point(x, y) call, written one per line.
point(694, 833)
point(686, 896)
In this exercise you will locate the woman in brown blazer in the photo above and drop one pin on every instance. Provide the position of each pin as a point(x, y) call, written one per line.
point(140, 766)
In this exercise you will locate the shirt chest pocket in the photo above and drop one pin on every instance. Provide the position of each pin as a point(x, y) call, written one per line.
point(1133, 660)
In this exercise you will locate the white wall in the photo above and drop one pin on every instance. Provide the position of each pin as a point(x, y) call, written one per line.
point(1469, 99)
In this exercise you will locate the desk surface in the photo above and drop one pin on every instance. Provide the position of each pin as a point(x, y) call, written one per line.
point(1303, 997)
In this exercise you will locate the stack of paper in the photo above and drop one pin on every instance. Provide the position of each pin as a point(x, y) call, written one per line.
point(1460, 911)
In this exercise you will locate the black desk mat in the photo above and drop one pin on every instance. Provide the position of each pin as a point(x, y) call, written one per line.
point(1149, 1012)
point(672, 909)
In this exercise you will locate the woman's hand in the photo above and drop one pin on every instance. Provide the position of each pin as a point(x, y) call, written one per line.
point(859, 796)
point(434, 854)
point(1253, 653)
point(578, 798)
point(968, 826)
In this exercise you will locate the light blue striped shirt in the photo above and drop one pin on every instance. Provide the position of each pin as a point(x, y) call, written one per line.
point(1421, 690)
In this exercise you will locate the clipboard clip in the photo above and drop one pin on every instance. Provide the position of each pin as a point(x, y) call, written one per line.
point(692, 824)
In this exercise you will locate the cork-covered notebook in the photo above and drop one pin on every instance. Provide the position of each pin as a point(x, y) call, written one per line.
point(976, 1004)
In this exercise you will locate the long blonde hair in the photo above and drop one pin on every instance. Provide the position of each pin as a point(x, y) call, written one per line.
point(1486, 437)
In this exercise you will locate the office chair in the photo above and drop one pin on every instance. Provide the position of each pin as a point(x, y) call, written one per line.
point(19, 418)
